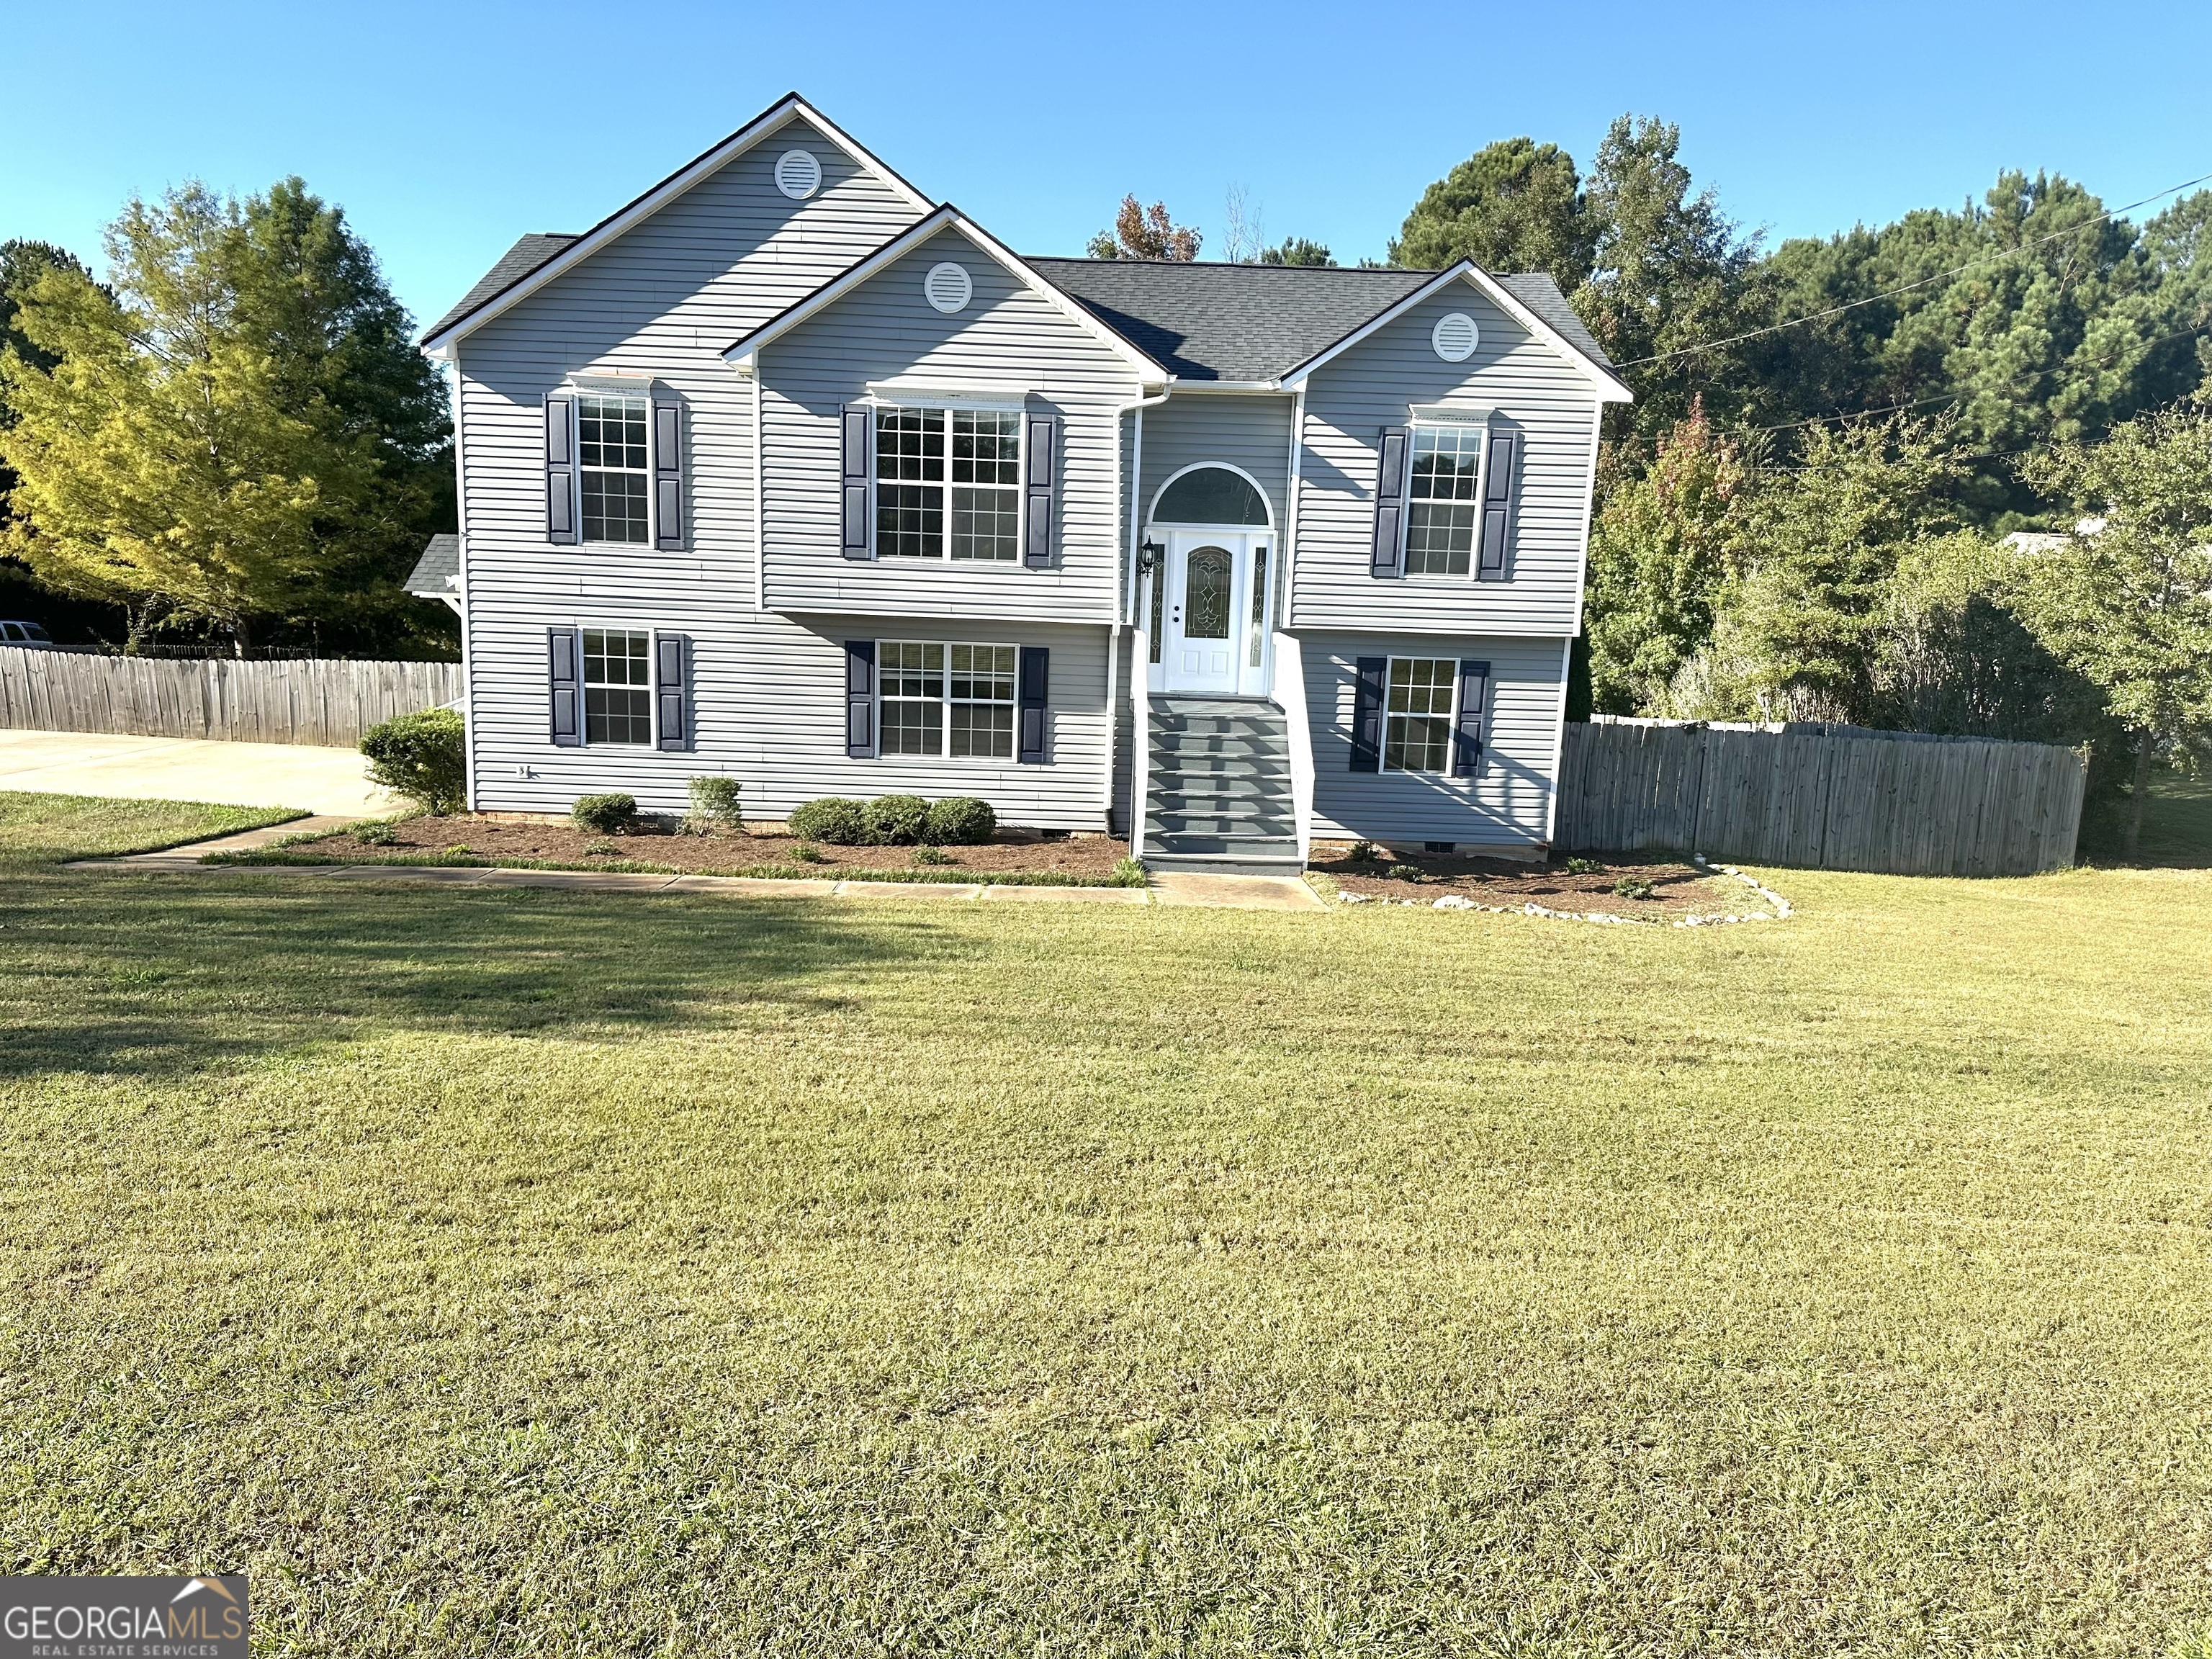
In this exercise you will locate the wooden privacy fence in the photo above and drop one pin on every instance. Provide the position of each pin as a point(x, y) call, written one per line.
point(1821, 797)
point(327, 702)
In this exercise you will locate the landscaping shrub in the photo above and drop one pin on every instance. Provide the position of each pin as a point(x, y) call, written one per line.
point(1634, 887)
point(962, 821)
point(1584, 867)
point(606, 815)
point(897, 820)
point(375, 835)
point(1127, 872)
point(929, 855)
point(715, 805)
point(840, 822)
point(422, 757)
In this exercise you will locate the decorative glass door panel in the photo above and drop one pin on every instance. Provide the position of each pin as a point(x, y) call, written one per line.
point(1204, 584)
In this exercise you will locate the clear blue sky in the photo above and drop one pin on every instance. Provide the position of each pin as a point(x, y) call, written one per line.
point(447, 129)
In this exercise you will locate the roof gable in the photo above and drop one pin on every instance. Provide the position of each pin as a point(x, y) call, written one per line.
point(740, 353)
point(536, 261)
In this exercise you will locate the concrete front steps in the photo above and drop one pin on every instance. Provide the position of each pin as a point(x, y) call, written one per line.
point(1220, 797)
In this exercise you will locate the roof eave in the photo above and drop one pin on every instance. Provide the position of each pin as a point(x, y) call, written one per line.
point(777, 116)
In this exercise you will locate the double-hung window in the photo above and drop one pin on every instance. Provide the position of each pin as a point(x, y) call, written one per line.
point(1444, 506)
point(948, 483)
point(1418, 714)
point(955, 700)
point(618, 686)
point(613, 457)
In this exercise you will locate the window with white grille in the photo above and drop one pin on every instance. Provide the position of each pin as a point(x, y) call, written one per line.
point(613, 455)
point(948, 483)
point(1444, 506)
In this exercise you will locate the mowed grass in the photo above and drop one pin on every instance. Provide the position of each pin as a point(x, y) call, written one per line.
point(519, 1272)
point(37, 829)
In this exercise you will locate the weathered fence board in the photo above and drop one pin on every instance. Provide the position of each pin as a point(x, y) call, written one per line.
point(1833, 797)
point(327, 702)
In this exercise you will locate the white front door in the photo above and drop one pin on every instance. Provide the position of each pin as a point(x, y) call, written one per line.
point(1200, 638)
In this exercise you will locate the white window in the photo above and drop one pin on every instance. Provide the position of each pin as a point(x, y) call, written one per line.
point(955, 700)
point(1418, 714)
point(975, 454)
point(1445, 506)
point(618, 686)
point(612, 455)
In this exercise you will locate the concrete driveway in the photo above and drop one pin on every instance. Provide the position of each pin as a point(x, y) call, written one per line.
point(330, 781)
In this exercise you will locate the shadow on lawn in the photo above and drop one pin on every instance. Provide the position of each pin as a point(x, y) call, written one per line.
point(154, 975)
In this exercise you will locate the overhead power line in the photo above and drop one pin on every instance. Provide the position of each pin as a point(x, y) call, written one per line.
point(1922, 282)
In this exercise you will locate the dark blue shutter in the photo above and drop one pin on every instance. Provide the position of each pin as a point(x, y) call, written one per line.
point(1390, 501)
point(670, 687)
point(1466, 730)
point(668, 477)
point(561, 666)
point(559, 469)
point(1030, 688)
point(1367, 714)
point(860, 699)
point(857, 472)
point(1040, 474)
point(1497, 505)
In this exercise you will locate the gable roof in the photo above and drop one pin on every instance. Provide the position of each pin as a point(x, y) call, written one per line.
point(948, 217)
point(1237, 324)
point(1589, 359)
point(531, 263)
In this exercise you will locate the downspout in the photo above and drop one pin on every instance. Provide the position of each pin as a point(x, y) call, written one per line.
point(1140, 650)
point(1290, 653)
point(461, 574)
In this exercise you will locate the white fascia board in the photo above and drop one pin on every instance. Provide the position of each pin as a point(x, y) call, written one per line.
point(1610, 388)
point(776, 117)
point(741, 354)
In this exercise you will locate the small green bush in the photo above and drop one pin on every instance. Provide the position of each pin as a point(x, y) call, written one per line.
point(376, 834)
point(604, 815)
point(1127, 872)
point(600, 849)
point(929, 855)
point(715, 805)
point(897, 820)
point(422, 757)
point(962, 821)
point(840, 822)
point(804, 853)
point(1634, 887)
point(1584, 867)
point(1363, 852)
point(1408, 872)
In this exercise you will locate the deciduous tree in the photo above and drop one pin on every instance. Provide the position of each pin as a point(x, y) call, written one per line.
point(1142, 233)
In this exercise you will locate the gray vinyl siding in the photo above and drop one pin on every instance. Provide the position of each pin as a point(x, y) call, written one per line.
point(1252, 432)
point(768, 709)
point(663, 299)
point(1509, 804)
point(1532, 387)
point(1125, 730)
point(1007, 338)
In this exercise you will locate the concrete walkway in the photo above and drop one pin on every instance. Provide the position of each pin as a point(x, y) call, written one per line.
point(330, 781)
point(1224, 892)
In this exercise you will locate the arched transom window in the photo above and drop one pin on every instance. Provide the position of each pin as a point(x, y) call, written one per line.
point(1210, 495)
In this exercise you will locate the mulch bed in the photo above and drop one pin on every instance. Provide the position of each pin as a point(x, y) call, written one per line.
point(1677, 889)
point(464, 837)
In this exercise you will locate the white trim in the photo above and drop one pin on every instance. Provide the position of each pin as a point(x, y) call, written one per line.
point(1291, 536)
point(459, 383)
point(760, 503)
point(1473, 574)
point(1589, 502)
point(1383, 766)
point(896, 394)
point(943, 555)
point(1450, 414)
point(774, 119)
point(945, 700)
point(1610, 388)
point(652, 683)
point(745, 350)
point(1154, 521)
point(1558, 735)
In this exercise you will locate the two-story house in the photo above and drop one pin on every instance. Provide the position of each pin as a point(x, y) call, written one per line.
point(785, 472)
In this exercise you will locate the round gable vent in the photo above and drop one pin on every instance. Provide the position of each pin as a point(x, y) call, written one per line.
point(797, 174)
point(948, 287)
point(1455, 336)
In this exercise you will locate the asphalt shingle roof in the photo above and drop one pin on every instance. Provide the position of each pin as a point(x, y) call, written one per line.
point(1200, 322)
point(1207, 322)
point(517, 263)
point(435, 571)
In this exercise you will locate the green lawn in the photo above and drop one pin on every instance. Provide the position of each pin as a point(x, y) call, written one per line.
point(37, 829)
point(2177, 825)
point(526, 1271)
